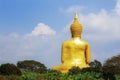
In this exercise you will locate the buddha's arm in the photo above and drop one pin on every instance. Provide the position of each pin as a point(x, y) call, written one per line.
point(87, 54)
point(63, 53)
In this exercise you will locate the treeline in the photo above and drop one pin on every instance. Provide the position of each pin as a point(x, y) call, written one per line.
point(26, 65)
point(34, 70)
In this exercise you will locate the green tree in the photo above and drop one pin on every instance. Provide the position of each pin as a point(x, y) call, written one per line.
point(112, 65)
point(9, 69)
point(96, 66)
point(74, 70)
point(32, 65)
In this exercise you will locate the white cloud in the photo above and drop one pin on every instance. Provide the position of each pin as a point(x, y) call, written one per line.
point(102, 26)
point(42, 29)
point(117, 7)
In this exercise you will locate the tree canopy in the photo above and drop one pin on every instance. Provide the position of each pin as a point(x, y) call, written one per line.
point(112, 65)
point(31, 65)
point(9, 69)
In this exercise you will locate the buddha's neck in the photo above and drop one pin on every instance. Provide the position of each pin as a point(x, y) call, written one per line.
point(76, 37)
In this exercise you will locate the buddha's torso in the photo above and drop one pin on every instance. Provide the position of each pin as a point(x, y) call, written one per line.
point(74, 52)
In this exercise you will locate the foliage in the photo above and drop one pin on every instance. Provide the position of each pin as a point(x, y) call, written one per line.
point(56, 75)
point(74, 70)
point(112, 65)
point(95, 66)
point(10, 77)
point(27, 75)
point(87, 69)
point(109, 76)
point(91, 76)
point(9, 69)
point(32, 65)
point(117, 77)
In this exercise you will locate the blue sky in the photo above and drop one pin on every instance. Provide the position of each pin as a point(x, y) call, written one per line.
point(35, 29)
point(22, 15)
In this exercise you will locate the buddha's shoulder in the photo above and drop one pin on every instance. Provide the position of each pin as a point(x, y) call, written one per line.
point(67, 42)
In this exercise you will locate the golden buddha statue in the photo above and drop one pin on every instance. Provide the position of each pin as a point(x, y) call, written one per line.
point(75, 52)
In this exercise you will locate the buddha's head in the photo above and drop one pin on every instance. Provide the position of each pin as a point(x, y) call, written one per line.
point(76, 27)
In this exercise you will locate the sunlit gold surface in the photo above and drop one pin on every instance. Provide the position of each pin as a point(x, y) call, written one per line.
point(75, 52)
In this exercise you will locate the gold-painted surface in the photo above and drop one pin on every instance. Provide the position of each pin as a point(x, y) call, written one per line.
point(75, 52)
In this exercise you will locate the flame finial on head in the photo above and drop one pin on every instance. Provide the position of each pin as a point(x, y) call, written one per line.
point(76, 16)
